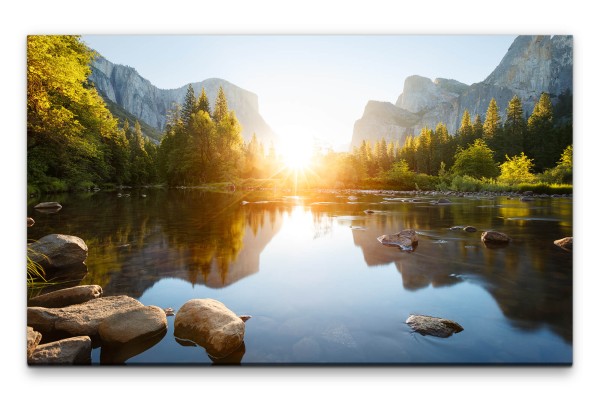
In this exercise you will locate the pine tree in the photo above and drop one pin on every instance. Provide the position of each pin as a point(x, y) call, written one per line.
point(540, 142)
point(465, 131)
point(493, 123)
point(514, 127)
point(189, 105)
point(203, 103)
point(477, 128)
point(221, 108)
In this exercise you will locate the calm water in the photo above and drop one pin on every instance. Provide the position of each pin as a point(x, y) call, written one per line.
point(320, 287)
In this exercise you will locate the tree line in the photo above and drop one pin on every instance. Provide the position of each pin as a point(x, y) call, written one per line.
point(74, 142)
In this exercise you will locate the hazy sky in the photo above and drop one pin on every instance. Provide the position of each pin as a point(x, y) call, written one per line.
point(309, 85)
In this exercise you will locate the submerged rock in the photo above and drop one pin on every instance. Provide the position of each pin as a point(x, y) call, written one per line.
point(70, 351)
point(79, 320)
point(33, 339)
point(495, 237)
point(443, 201)
point(406, 240)
point(210, 324)
point(457, 228)
point(470, 229)
point(565, 243)
point(526, 199)
point(67, 296)
point(48, 205)
point(58, 250)
point(133, 325)
point(369, 211)
point(433, 326)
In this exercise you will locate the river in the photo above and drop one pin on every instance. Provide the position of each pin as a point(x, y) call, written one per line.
point(319, 286)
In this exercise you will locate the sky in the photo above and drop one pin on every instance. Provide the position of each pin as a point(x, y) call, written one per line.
point(310, 86)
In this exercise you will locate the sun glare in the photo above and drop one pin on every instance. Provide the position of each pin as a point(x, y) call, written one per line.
point(296, 153)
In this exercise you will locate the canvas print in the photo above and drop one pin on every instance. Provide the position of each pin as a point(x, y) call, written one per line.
point(289, 200)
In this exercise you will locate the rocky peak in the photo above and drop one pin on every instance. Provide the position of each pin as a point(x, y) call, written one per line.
point(422, 93)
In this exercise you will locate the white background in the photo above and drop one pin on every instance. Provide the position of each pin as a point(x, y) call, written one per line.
point(308, 16)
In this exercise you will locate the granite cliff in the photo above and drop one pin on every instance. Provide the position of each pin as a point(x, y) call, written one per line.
point(532, 65)
point(125, 87)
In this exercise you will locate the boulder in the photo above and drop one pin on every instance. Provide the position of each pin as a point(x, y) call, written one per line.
point(565, 243)
point(79, 320)
point(67, 296)
point(495, 237)
point(210, 324)
point(70, 351)
point(58, 250)
point(406, 240)
point(33, 339)
point(433, 326)
point(133, 325)
point(48, 205)
point(30, 222)
point(470, 229)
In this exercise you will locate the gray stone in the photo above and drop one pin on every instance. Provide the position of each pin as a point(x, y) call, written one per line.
point(470, 229)
point(565, 243)
point(433, 326)
point(210, 324)
point(443, 201)
point(532, 65)
point(58, 250)
point(495, 236)
point(69, 351)
point(48, 205)
point(133, 325)
point(33, 339)
point(406, 240)
point(526, 199)
point(67, 296)
point(79, 320)
point(124, 86)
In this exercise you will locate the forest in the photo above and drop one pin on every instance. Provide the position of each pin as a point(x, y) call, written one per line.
point(74, 143)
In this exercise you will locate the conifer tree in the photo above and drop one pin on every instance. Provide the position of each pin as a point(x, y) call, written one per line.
point(465, 131)
point(203, 103)
point(221, 108)
point(493, 123)
point(477, 128)
point(540, 141)
point(514, 127)
point(189, 105)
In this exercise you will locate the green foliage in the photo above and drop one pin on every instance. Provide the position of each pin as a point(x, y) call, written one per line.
point(493, 123)
point(516, 169)
point(476, 161)
point(465, 184)
point(73, 141)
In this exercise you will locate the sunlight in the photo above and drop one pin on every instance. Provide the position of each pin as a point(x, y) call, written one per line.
point(296, 152)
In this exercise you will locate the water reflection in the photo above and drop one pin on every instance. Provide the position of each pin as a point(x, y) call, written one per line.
point(302, 307)
point(204, 238)
point(531, 279)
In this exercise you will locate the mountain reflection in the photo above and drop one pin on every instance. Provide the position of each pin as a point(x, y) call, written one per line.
point(202, 237)
point(531, 279)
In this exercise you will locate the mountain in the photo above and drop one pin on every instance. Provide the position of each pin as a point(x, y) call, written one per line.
point(532, 65)
point(130, 94)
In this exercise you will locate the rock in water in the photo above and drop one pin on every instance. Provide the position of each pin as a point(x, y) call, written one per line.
point(48, 205)
point(470, 229)
point(565, 243)
point(58, 250)
point(133, 325)
point(211, 325)
point(79, 320)
point(30, 222)
point(406, 240)
point(495, 237)
point(67, 296)
point(70, 351)
point(443, 201)
point(433, 326)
